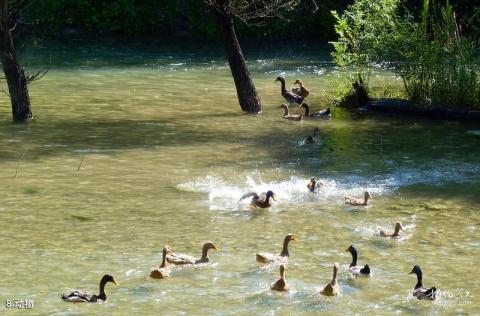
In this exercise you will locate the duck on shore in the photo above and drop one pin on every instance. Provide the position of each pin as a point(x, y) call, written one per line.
point(288, 116)
point(261, 201)
point(384, 233)
point(325, 114)
point(182, 259)
point(82, 296)
point(311, 139)
point(265, 257)
point(332, 288)
point(419, 290)
point(356, 269)
point(301, 91)
point(290, 97)
point(281, 284)
point(358, 201)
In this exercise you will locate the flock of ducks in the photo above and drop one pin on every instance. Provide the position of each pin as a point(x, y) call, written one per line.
point(297, 95)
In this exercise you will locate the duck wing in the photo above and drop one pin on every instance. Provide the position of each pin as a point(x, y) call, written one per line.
point(180, 258)
point(265, 257)
point(361, 271)
point(325, 114)
point(160, 273)
point(425, 293)
point(292, 97)
point(78, 297)
point(250, 194)
point(280, 285)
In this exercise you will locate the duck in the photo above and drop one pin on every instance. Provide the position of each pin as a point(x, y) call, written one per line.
point(332, 288)
point(311, 139)
point(281, 284)
point(288, 116)
point(419, 291)
point(265, 257)
point(164, 270)
point(325, 114)
point(359, 201)
point(398, 228)
point(290, 97)
point(181, 259)
point(82, 296)
point(314, 186)
point(354, 268)
point(301, 91)
point(261, 201)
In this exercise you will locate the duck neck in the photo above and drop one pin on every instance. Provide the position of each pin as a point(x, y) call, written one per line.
point(397, 230)
point(164, 259)
point(354, 258)
point(282, 275)
point(285, 111)
point(419, 280)
point(282, 88)
point(102, 294)
point(334, 279)
point(205, 253)
point(365, 199)
point(284, 252)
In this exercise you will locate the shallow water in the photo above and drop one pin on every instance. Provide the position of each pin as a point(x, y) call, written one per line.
point(134, 147)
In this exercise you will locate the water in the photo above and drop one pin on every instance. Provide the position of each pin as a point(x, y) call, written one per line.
point(136, 146)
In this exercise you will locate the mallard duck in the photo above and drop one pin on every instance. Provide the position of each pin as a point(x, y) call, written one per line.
point(265, 257)
point(314, 186)
point(163, 271)
point(359, 201)
point(81, 296)
point(419, 291)
point(311, 139)
point(398, 228)
point(356, 269)
point(322, 114)
point(332, 288)
point(262, 201)
point(301, 91)
point(180, 258)
point(281, 284)
point(291, 117)
point(290, 97)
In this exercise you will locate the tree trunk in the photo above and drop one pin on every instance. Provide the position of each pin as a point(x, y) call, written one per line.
point(247, 95)
point(14, 73)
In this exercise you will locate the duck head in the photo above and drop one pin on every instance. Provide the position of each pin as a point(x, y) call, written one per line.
point(108, 278)
point(354, 253)
point(298, 81)
point(290, 237)
point(367, 196)
point(398, 227)
point(270, 194)
point(283, 268)
point(279, 79)
point(312, 184)
point(210, 245)
point(416, 269)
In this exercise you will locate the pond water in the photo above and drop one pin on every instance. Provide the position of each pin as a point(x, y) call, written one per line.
point(136, 146)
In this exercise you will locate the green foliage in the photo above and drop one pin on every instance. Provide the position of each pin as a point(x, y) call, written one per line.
point(439, 65)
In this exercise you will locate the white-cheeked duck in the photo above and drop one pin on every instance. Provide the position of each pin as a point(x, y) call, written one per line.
point(384, 233)
point(164, 270)
point(332, 288)
point(301, 91)
point(182, 259)
point(82, 296)
point(358, 201)
point(262, 200)
point(356, 269)
point(281, 284)
point(288, 116)
point(265, 257)
point(290, 97)
point(419, 291)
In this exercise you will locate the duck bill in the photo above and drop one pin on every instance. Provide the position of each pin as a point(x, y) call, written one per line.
point(115, 282)
point(274, 197)
point(295, 239)
point(216, 248)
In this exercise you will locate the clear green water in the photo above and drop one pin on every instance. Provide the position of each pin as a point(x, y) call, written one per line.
point(166, 155)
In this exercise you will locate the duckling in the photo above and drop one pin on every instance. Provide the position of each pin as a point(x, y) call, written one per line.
point(180, 258)
point(265, 257)
point(281, 284)
point(419, 291)
point(332, 288)
point(301, 91)
point(398, 228)
point(356, 269)
point(164, 270)
point(262, 201)
point(311, 139)
point(314, 186)
point(290, 97)
point(82, 296)
point(359, 201)
point(291, 117)
point(322, 114)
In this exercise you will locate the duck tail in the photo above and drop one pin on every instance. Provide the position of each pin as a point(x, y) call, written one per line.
point(431, 292)
point(365, 269)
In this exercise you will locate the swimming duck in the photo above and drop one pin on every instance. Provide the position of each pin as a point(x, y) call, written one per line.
point(265, 257)
point(322, 114)
point(358, 202)
point(314, 186)
point(82, 296)
point(419, 291)
point(180, 258)
point(332, 288)
point(163, 271)
point(301, 91)
point(356, 269)
point(262, 201)
point(398, 228)
point(281, 284)
point(311, 139)
point(290, 97)
point(291, 117)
